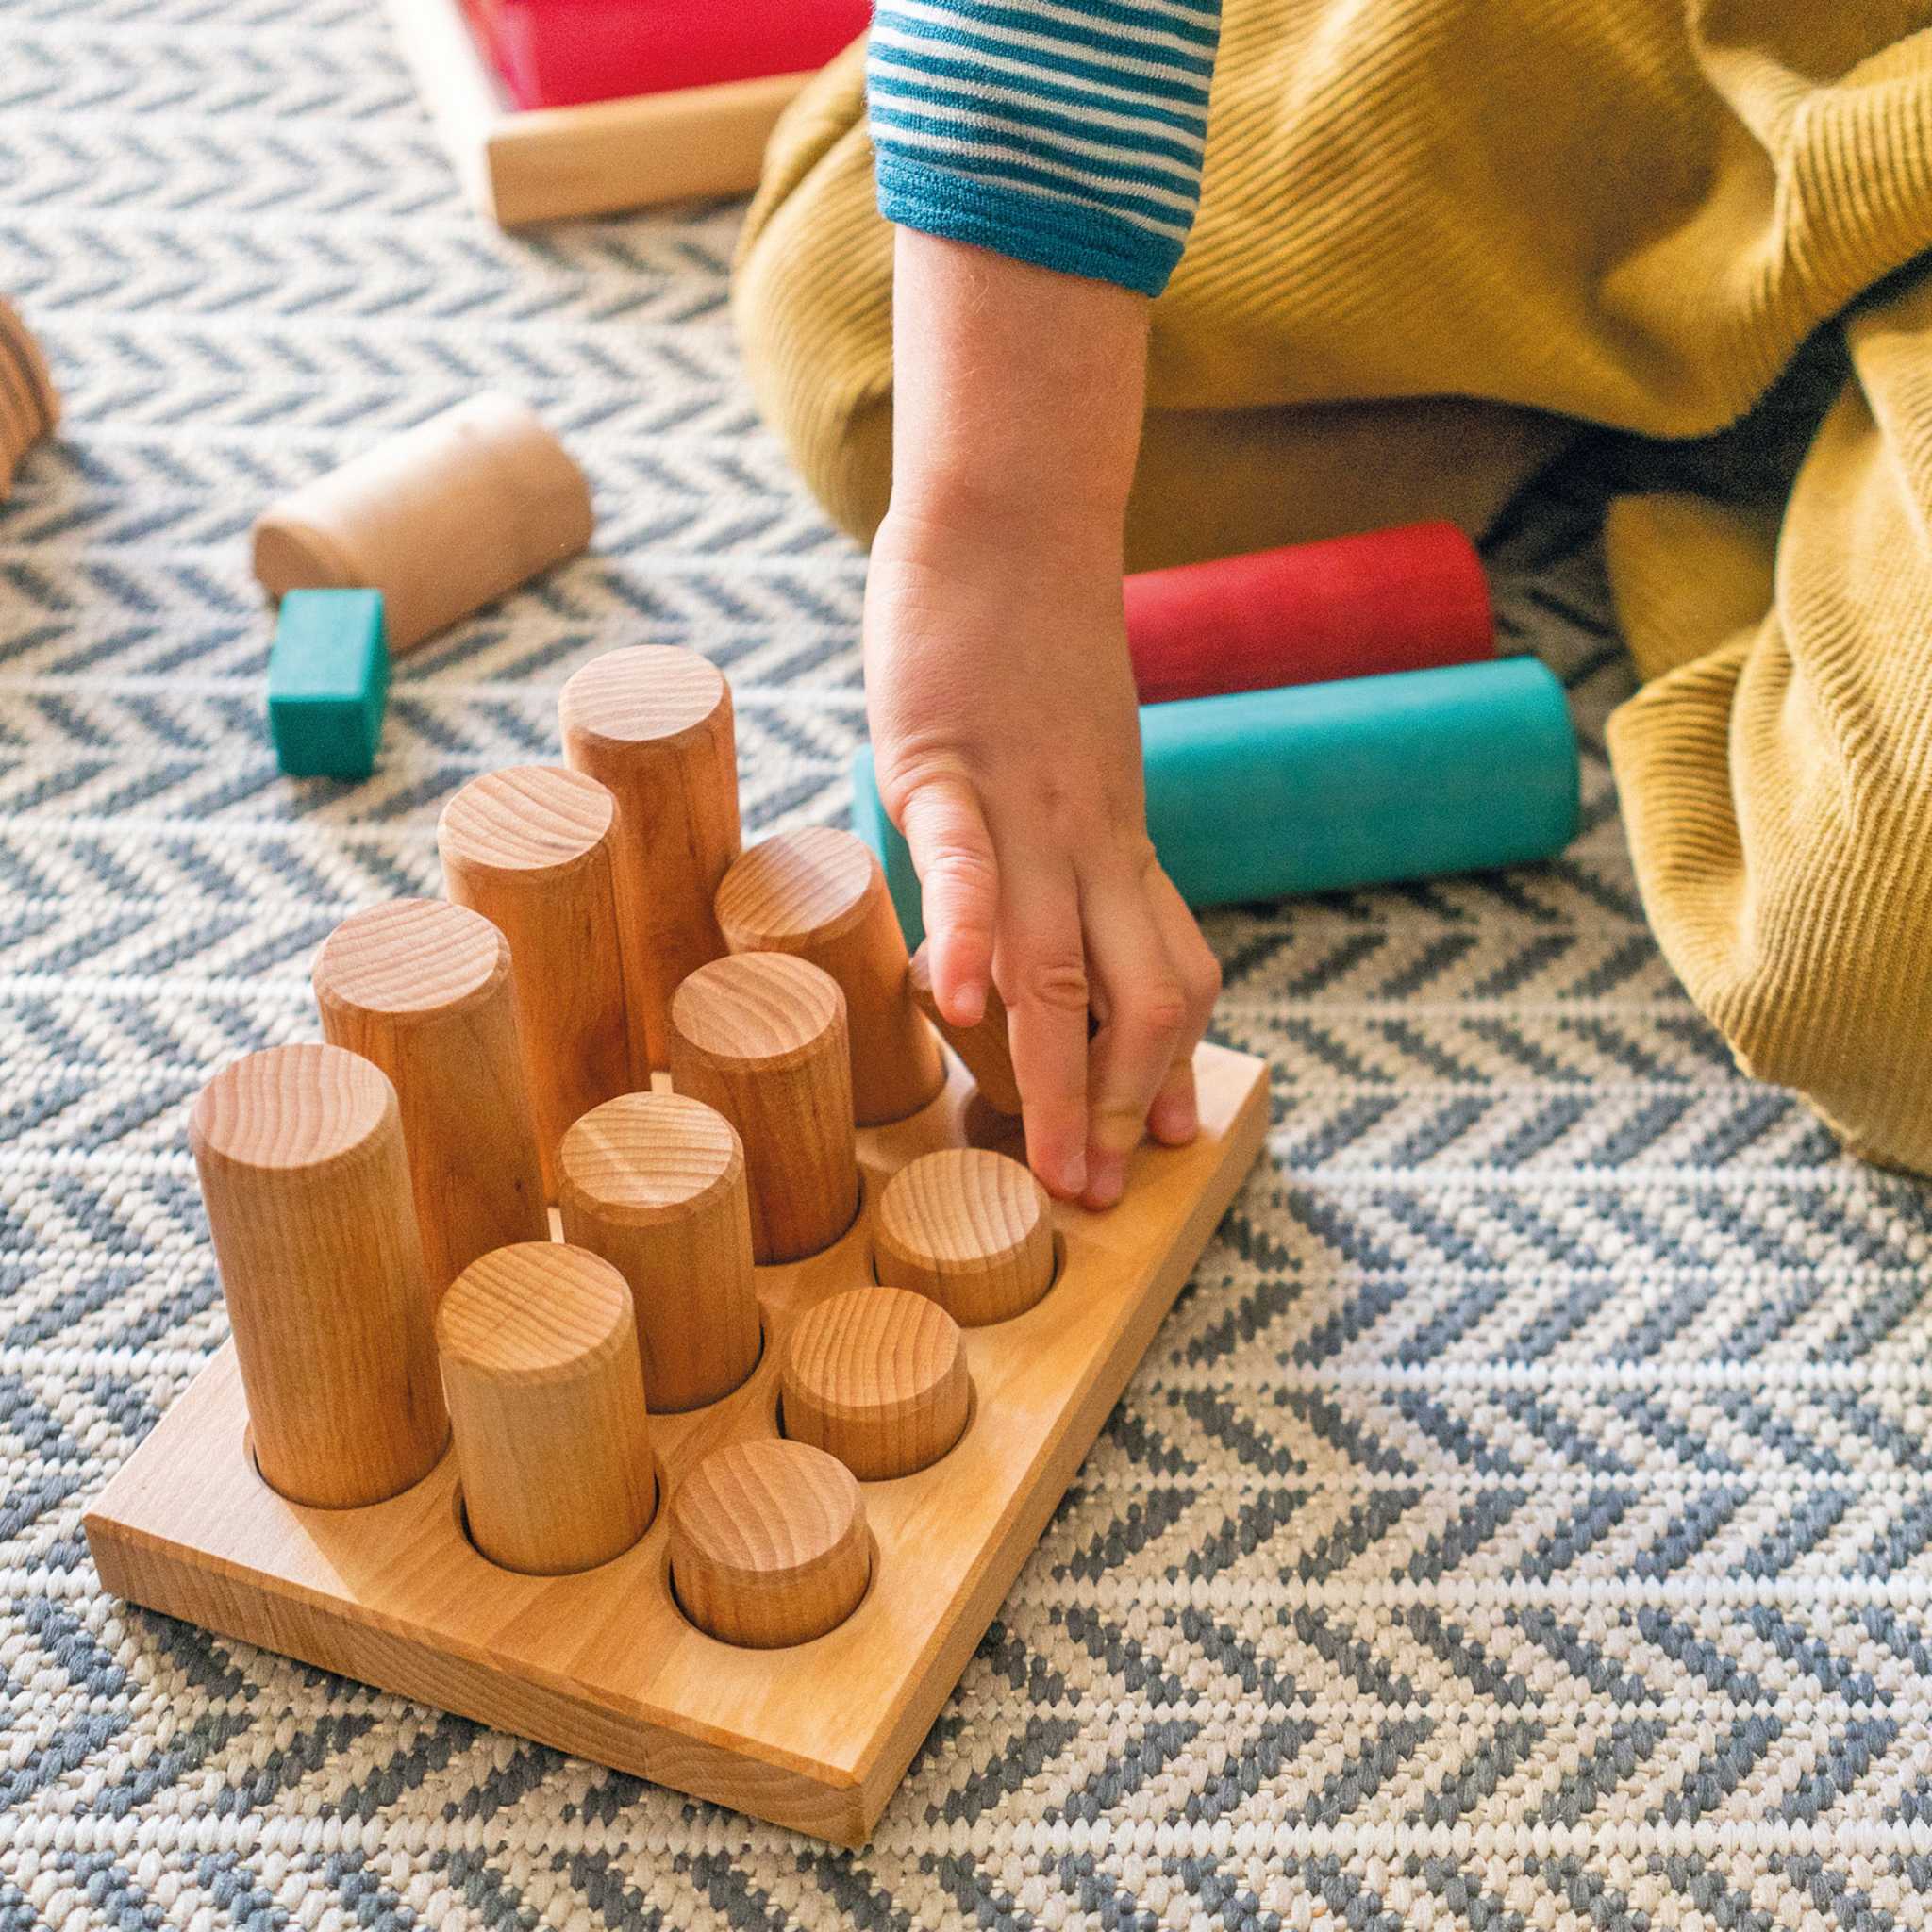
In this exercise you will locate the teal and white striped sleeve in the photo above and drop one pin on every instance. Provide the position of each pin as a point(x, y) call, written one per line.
point(1067, 133)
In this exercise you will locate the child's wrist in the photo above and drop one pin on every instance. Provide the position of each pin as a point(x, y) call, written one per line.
point(951, 518)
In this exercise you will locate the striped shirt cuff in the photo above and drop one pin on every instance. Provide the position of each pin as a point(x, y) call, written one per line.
point(1068, 133)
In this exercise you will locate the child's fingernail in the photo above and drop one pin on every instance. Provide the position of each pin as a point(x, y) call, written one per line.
point(1176, 1120)
point(1107, 1178)
point(969, 1005)
point(1074, 1176)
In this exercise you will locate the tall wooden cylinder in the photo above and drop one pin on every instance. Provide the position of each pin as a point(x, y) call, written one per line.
point(654, 1183)
point(546, 1403)
point(300, 1154)
point(654, 724)
point(423, 989)
point(441, 519)
point(762, 1037)
point(972, 1229)
point(769, 1543)
point(530, 849)
point(819, 893)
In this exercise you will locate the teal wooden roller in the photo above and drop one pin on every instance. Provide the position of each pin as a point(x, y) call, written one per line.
point(1317, 788)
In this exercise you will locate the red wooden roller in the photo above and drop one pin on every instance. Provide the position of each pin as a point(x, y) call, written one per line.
point(1406, 599)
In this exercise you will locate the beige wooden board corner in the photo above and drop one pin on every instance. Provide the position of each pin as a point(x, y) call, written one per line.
point(545, 164)
point(604, 1663)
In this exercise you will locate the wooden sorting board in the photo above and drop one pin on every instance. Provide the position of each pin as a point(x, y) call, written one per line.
point(604, 1663)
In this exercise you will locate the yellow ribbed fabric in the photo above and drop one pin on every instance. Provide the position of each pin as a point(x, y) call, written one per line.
point(1436, 235)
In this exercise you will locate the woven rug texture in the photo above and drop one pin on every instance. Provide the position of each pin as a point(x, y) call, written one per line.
point(1523, 1520)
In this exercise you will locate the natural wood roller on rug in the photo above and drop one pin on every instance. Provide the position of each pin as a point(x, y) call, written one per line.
point(631, 1347)
point(29, 405)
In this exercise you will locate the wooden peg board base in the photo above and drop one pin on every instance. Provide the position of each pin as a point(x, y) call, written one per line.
point(604, 1663)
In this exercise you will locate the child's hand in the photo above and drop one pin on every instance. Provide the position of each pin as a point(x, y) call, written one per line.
point(1002, 699)
point(1008, 752)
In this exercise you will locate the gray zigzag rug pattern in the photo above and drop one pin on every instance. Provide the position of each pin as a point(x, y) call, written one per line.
point(1523, 1520)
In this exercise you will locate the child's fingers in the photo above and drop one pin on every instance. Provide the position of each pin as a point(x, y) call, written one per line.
point(958, 883)
point(1144, 1011)
point(1043, 977)
point(1174, 1118)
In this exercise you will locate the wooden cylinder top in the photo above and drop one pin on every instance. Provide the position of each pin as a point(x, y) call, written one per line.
point(877, 1377)
point(411, 956)
point(290, 1108)
point(536, 1311)
point(961, 1204)
point(769, 1543)
point(970, 1227)
point(528, 823)
point(647, 694)
point(644, 1158)
point(797, 889)
point(767, 1010)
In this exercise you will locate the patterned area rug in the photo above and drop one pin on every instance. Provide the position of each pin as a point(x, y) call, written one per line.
point(1523, 1519)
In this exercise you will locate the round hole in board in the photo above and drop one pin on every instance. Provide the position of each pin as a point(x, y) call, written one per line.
point(333, 1509)
point(863, 1197)
point(1053, 1280)
point(985, 1127)
point(660, 1495)
point(938, 1461)
point(738, 1388)
point(697, 1629)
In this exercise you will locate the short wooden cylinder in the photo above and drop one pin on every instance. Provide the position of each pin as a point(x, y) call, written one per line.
point(653, 726)
point(530, 848)
point(972, 1229)
point(654, 1183)
point(877, 1377)
point(442, 519)
point(982, 1049)
point(819, 893)
point(769, 1543)
point(300, 1154)
point(423, 989)
point(760, 1037)
point(546, 1403)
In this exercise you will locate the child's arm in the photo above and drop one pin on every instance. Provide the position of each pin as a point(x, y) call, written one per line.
point(1002, 699)
point(1043, 159)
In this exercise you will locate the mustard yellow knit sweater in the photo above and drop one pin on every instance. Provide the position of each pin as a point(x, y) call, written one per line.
point(1434, 236)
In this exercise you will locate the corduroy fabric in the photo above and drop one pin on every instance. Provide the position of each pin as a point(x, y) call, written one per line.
point(1437, 236)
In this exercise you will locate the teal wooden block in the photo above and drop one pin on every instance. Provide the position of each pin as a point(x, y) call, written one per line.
point(328, 683)
point(1320, 788)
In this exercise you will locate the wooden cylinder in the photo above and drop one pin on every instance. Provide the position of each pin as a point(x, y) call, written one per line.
point(654, 724)
point(769, 1544)
point(876, 1376)
point(654, 1183)
point(300, 1154)
point(28, 406)
point(819, 893)
point(441, 519)
point(972, 1229)
point(983, 1048)
point(530, 849)
point(546, 1403)
point(423, 989)
point(760, 1037)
